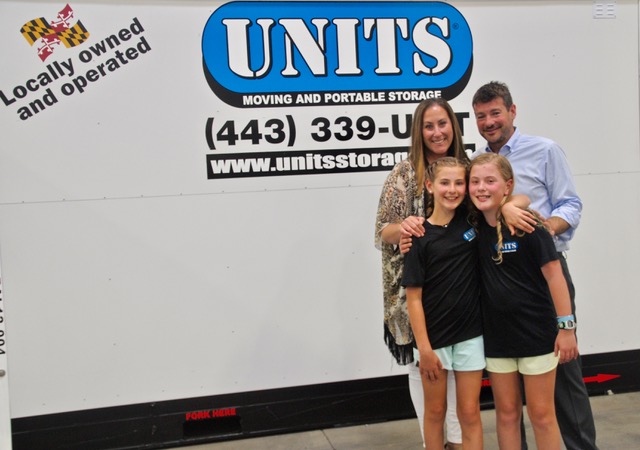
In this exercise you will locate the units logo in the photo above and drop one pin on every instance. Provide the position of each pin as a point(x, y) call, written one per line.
point(508, 247)
point(50, 35)
point(469, 235)
point(264, 54)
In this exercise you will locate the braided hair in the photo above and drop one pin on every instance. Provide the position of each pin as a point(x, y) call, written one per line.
point(506, 172)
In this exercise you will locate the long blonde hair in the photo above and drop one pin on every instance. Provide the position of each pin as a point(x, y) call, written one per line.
point(417, 151)
point(506, 172)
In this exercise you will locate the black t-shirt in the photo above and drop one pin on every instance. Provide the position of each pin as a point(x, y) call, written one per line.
point(517, 309)
point(444, 262)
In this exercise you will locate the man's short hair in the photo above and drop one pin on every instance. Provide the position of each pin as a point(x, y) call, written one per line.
point(491, 91)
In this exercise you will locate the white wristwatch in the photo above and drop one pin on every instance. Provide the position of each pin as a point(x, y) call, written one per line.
point(567, 324)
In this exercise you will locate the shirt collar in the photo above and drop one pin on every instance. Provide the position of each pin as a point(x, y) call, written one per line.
point(506, 148)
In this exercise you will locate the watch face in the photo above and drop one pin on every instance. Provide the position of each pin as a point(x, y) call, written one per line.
point(567, 324)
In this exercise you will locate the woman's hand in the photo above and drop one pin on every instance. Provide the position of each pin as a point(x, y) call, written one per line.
point(394, 232)
point(413, 226)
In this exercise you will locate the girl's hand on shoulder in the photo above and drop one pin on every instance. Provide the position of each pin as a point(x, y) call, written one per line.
point(430, 365)
point(566, 346)
point(518, 218)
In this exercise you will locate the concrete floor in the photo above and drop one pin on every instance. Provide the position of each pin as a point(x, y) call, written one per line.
point(617, 420)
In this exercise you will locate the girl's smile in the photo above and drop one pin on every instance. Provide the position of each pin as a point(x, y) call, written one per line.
point(448, 190)
point(488, 189)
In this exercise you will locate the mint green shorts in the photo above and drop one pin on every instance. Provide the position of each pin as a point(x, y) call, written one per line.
point(465, 356)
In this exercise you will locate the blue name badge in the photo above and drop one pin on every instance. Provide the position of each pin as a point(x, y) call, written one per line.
point(469, 235)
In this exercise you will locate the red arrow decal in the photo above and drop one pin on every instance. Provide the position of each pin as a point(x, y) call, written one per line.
point(600, 378)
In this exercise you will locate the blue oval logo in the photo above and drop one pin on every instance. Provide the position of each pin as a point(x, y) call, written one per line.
point(272, 49)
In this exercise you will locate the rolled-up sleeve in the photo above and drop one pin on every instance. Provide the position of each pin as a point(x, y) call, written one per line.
point(565, 202)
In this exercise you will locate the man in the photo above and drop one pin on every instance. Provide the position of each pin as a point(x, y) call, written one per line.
point(542, 173)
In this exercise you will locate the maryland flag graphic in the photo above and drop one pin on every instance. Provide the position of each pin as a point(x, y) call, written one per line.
point(57, 31)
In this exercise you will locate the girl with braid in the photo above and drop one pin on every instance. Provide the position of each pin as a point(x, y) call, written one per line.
point(525, 301)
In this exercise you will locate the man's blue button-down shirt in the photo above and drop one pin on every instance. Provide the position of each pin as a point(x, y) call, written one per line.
point(542, 173)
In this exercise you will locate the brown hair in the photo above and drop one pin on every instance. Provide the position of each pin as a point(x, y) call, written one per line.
point(432, 173)
point(491, 91)
point(417, 151)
